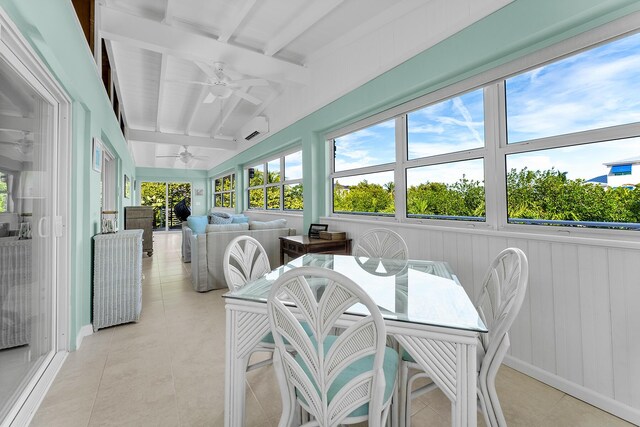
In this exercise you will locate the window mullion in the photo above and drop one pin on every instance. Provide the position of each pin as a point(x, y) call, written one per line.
point(493, 173)
point(400, 185)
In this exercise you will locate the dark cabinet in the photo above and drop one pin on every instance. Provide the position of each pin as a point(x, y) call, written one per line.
point(141, 218)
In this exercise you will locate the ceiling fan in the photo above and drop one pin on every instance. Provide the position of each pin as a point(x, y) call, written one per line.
point(222, 85)
point(185, 156)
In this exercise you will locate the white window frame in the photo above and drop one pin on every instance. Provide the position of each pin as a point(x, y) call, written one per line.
point(232, 193)
point(265, 186)
point(496, 148)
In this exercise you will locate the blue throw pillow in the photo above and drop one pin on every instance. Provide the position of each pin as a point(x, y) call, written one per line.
point(239, 219)
point(197, 223)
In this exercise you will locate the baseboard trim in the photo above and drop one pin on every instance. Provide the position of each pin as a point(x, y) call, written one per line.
point(85, 331)
point(32, 403)
point(592, 397)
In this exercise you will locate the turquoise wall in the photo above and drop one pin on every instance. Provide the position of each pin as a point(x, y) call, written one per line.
point(197, 178)
point(51, 27)
point(518, 29)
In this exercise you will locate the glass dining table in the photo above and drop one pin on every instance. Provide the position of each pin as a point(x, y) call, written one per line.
point(424, 306)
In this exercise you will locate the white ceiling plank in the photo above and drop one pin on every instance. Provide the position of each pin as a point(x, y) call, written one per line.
point(179, 139)
point(204, 91)
point(392, 13)
point(231, 105)
point(16, 123)
point(151, 35)
point(163, 70)
point(311, 14)
point(236, 21)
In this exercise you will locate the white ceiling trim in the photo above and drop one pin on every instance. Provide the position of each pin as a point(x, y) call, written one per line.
point(236, 21)
point(151, 35)
point(179, 139)
point(167, 12)
point(302, 22)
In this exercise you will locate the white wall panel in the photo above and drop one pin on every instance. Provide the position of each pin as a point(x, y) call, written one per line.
point(578, 328)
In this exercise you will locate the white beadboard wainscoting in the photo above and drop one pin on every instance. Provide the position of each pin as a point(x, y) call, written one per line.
point(579, 327)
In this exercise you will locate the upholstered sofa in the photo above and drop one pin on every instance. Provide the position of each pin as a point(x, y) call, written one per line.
point(207, 249)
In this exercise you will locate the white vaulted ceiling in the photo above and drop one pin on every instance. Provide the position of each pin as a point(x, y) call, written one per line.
point(280, 59)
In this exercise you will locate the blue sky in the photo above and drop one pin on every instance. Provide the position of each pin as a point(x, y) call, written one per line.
point(594, 89)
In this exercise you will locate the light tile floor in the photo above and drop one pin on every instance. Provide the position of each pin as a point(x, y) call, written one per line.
point(168, 369)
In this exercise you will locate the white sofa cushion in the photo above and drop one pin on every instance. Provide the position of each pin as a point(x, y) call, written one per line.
point(215, 228)
point(266, 225)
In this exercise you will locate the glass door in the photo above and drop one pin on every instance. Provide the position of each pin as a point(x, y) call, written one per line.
point(28, 153)
point(163, 198)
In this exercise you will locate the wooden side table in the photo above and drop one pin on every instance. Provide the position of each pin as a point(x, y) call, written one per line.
point(296, 246)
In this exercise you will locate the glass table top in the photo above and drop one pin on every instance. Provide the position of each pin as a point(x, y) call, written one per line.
point(421, 292)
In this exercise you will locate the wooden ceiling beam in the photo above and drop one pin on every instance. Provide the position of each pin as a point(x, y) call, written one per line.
point(147, 34)
point(236, 21)
point(179, 139)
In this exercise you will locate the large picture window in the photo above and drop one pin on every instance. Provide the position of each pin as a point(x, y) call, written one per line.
point(224, 191)
point(439, 149)
point(276, 184)
point(557, 144)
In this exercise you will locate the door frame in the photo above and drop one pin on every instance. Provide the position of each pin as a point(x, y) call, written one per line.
point(19, 54)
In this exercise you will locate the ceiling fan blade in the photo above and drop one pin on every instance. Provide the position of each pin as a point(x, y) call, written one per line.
point(190, 82)
point(249, 82)
point(157, 157)
point(252, 99)
point(200, 157)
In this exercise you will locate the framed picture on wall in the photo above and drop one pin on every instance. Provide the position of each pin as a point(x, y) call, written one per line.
point(199, 192)
point(96, 159)
point(127, 187)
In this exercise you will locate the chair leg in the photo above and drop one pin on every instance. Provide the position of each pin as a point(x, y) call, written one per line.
point(404, 394)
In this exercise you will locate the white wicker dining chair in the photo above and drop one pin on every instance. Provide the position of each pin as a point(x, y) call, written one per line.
point(381, 243)
point(503, 291)
point(342, 379)
point(245, 260)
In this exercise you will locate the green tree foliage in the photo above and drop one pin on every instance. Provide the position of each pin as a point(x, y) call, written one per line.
point(293, 197)
point(3, 192)
point(551, 195)
point(544, 195)
point(154, 194)
point(363, 197)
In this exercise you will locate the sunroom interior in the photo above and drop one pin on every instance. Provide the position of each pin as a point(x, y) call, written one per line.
point(466, 127)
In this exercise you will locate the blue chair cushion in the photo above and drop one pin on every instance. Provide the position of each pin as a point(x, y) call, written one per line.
point(389, 367)
point(197, 223)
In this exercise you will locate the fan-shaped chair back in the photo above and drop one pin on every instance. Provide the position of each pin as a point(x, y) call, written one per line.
point(244, 260)
point(503, 291)
point(381, 243)
point(314, 374)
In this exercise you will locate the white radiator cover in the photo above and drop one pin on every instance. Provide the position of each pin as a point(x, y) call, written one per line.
point(117, 278)
point(578, 327)
point(15, 292)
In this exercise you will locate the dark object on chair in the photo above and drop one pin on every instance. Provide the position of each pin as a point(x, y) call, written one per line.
point(181, 210)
